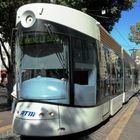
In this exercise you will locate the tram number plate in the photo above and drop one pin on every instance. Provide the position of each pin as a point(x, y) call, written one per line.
point(27, 113)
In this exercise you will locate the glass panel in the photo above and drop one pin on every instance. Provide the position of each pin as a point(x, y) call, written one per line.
point(43, 69)
point(104, 72)
point(106, 77)
point(116, 74)
point(36, 55)
point(128, 78)
point(84, 72)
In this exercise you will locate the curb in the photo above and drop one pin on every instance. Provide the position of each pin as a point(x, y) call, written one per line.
point(14, 137)
point(9, 135)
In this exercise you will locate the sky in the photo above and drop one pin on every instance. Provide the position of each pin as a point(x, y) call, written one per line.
point(121, 29)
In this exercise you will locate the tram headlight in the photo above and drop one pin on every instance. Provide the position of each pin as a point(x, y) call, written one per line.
point(51, 114)
point(41, 115)
point(28, 19)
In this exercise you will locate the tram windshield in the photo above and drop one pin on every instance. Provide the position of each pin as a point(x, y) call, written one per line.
point(42, 60)
point(42, 51)
point(49, 70)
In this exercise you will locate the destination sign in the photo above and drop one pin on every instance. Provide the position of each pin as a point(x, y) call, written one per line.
point(31, 39)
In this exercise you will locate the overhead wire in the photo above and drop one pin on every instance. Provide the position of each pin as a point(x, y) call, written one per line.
point(128, 45)
point(122, 37)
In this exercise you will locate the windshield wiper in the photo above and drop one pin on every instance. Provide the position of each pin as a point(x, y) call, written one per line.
point(59, 55)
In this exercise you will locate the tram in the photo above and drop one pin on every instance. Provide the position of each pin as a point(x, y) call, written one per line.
point(71, 75)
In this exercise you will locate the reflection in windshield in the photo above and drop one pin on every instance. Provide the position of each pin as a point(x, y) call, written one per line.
point(52, 73)
point(42, 50)
point(43, 54)
point(42, 65)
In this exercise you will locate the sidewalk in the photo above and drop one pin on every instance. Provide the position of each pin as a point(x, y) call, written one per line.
point(132, 129)
point(3, 100)
point(5, 123)
point(6, 133)
point(5, 116)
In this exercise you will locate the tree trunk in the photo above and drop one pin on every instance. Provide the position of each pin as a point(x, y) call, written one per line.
point(10, 85)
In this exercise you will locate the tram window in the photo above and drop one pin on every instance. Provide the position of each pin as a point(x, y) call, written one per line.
point(53, 73)
point(77, 50)
point(128, 83)
point(105, 76)
point(119, 68)
point(83, 51)
point(127, 71)
point(85, 74)
point(42, 50)
point(84, 59)
point(88, 52)
point(81, 77)
point(45, 56)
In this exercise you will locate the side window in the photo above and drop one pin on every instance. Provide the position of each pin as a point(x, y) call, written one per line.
point(84, 71)
point(107, 71)
point(127, 76)
point(119, 68)
point(77, 44)
point(84, 56)
point(104, 66)
point(116, 81)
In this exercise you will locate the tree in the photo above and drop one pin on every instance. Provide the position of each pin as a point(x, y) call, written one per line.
point(112, 8)
point(8, 10)
point(134, 35)
point(7, 22)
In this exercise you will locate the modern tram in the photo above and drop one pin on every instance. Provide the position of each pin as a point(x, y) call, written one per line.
point(71, 75)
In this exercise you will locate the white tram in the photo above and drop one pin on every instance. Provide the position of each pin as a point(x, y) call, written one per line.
point(69, 75)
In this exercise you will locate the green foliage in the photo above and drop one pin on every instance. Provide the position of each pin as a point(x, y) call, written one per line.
point(134, 35)
point(7, 17)
point(113, 9)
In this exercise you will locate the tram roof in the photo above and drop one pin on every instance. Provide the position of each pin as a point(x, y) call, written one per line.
point(107, 39)
point(63, 15)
